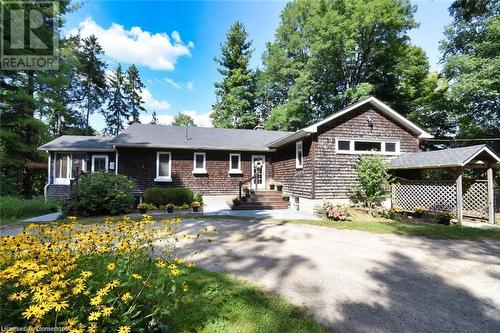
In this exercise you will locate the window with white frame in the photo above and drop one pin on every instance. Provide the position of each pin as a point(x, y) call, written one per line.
point(199, 163)
point(299, 155)
point(234, 163)
point(367, 146)
point(67, 166)
point(100, 163)
point(163, 167)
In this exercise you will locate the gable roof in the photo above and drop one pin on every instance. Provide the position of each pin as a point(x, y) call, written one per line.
point(379, 105)
point(79, 143)
point(208, 138)
point(453, 157)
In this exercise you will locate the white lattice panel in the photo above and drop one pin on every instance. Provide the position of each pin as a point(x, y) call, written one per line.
point(434, 195)
point(475, 199)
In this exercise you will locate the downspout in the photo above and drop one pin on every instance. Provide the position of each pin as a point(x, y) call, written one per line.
point(313, 166)
point(45, 188)
point(116, 160)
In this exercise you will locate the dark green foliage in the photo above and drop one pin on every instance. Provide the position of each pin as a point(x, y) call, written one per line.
point(100, 193)
point(328, 54)
point(162, 196)
point(235, 105)
point(12, 207)
point(117, 111)
point(91, 77)
point(373, 180)
point(471, 56)
point(198, 197)
point(133, 89)
point(183, 119)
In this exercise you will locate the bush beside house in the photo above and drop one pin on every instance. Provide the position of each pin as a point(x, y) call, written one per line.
point(373, 180)
point(100, 194)
point(164, 196)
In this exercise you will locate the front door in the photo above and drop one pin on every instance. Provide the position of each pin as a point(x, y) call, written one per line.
point(259, 171)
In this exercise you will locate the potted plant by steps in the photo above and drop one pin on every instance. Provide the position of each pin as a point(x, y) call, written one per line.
point(143, 208)
point(279, 186)
point(271, 185)
point(246, 190)
point(236, 201)
point(286, 196)
point(419, 211)
point(244, 198)
point(195, 205)
point(170, 207)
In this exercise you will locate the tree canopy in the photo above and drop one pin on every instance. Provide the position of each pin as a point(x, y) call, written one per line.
point(183, 119)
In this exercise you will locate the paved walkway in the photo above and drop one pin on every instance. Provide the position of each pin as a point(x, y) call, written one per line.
point(279, 214)
point(44, 218)
point(355, 281)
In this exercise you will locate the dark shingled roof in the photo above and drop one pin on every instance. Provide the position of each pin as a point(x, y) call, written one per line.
point(79, 142)
point(164, 136)
point(453, 157)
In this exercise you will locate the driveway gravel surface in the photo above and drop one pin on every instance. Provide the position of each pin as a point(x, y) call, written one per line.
point(354, 281)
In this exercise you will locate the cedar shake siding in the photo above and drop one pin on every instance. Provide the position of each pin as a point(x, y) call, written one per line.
point(295, 181)
point(334, 172)
point(139, 164)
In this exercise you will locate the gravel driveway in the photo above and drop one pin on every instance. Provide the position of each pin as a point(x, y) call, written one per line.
point(355, 281)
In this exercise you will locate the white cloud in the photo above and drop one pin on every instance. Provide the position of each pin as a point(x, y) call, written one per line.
point(150, 103)
point(172, 83)
point(157, 51)
point(200, 119)
point(189, 85)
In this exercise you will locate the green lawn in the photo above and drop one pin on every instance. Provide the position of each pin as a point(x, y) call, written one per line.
point(217, 302)
point(436, 231)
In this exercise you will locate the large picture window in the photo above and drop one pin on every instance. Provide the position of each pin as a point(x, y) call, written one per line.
point(364, 146)
point(163, 167)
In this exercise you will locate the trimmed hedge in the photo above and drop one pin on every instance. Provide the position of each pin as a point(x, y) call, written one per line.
point(162, 196)
point(12, 207)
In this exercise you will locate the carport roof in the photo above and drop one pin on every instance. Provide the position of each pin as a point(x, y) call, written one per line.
point(447, 158)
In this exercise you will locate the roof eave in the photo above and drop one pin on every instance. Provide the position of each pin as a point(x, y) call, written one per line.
point(290, 138)
point(142, 145)
point(42, 148)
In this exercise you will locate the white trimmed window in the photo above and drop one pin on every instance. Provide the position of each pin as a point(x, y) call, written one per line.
point(235, 163)
point(199, 163)
point(367, 146)
point(163, 167)
point(100, 163)
point(299, 155)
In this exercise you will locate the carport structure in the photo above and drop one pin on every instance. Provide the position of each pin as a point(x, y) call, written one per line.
point(472, 198)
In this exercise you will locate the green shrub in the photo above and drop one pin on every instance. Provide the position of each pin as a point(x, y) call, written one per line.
point(12, 207)
point(198, 197)
point(162, 196)
point(373, 180)
point(101, 194)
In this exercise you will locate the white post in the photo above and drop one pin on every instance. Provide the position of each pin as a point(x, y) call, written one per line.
point(48, 178)
point(491, 203)
point(460, 208)
point(116, 162)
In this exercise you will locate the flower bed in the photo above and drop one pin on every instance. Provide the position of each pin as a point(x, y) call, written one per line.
point(93, 277)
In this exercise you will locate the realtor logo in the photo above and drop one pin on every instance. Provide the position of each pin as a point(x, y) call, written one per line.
point(30, 35)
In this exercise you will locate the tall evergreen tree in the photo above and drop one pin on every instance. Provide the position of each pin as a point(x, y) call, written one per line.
point(133, 89)
point(183, 119)
point(117, 111)
point(471, 56)
point(236, 93)
point(154, 118)
point(92, 77)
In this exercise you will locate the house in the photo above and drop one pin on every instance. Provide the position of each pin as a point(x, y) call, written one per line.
point(313, 163)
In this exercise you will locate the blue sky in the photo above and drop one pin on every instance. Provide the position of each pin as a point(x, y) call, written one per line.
point(174, 43)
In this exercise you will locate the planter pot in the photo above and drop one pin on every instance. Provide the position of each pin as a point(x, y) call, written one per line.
point(244, 199)
point(195, 209)
point(417, 215)
point(279, 187)
point(271, 187)
point(170, 210)
point(142, 211)
point(286, 199)
point(444, 221)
